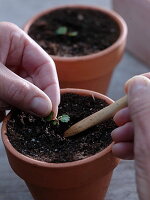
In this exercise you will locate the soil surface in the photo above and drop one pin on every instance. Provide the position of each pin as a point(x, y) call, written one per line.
point(42, 140)
point(74, 32)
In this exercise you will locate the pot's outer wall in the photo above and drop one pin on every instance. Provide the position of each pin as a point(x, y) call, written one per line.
point(84, 179)
point(63, 177)
point(90, 191)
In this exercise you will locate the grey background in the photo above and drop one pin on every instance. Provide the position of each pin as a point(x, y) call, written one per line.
point(123, 181)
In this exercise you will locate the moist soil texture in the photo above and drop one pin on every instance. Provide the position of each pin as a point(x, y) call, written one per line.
point(74, 32)
point(40, 139)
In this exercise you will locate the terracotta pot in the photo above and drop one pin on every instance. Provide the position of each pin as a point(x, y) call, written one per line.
point(137, 16)
point(92, 71)
point(86, 179)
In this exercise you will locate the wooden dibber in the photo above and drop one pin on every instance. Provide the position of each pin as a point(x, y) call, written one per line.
point(102, 115)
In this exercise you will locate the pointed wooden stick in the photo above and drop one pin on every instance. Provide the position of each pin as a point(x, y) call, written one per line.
point(102, 115)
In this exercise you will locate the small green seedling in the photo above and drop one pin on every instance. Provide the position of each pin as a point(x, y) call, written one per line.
point(63, 118)
point(63, 30)
point(73, 34)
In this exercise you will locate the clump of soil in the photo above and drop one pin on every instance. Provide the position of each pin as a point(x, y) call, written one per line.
point(38, 138)
point(83, 32)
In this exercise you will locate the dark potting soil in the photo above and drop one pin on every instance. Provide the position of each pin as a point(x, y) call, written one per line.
point(74, 32)
point(40, 139)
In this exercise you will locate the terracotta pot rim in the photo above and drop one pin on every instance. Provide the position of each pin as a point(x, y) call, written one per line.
point(115, 16)
point(56, 165)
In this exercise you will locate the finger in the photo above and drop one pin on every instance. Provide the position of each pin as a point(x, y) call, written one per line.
point(22, 94)
point(122, 116)
point(123, 133)
point(123, 150)
point(43, 72)
point(48, 84)
point(138, 89)
point(139, 106)
point(26, 58)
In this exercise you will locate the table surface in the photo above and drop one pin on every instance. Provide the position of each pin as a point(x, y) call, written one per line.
point(122, 185)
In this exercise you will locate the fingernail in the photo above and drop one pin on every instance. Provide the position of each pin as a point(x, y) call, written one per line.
point(40, 106)
point(137, 84)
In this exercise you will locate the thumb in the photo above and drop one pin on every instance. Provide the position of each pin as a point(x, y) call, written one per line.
point(138, 89)
point(22, 94)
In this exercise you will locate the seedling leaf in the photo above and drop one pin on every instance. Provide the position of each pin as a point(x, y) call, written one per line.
point(62, 30)
point(73, 34)
point(64, 118)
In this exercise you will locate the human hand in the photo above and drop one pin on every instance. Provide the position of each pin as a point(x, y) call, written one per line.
point(28, 78)
point(132, 138)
